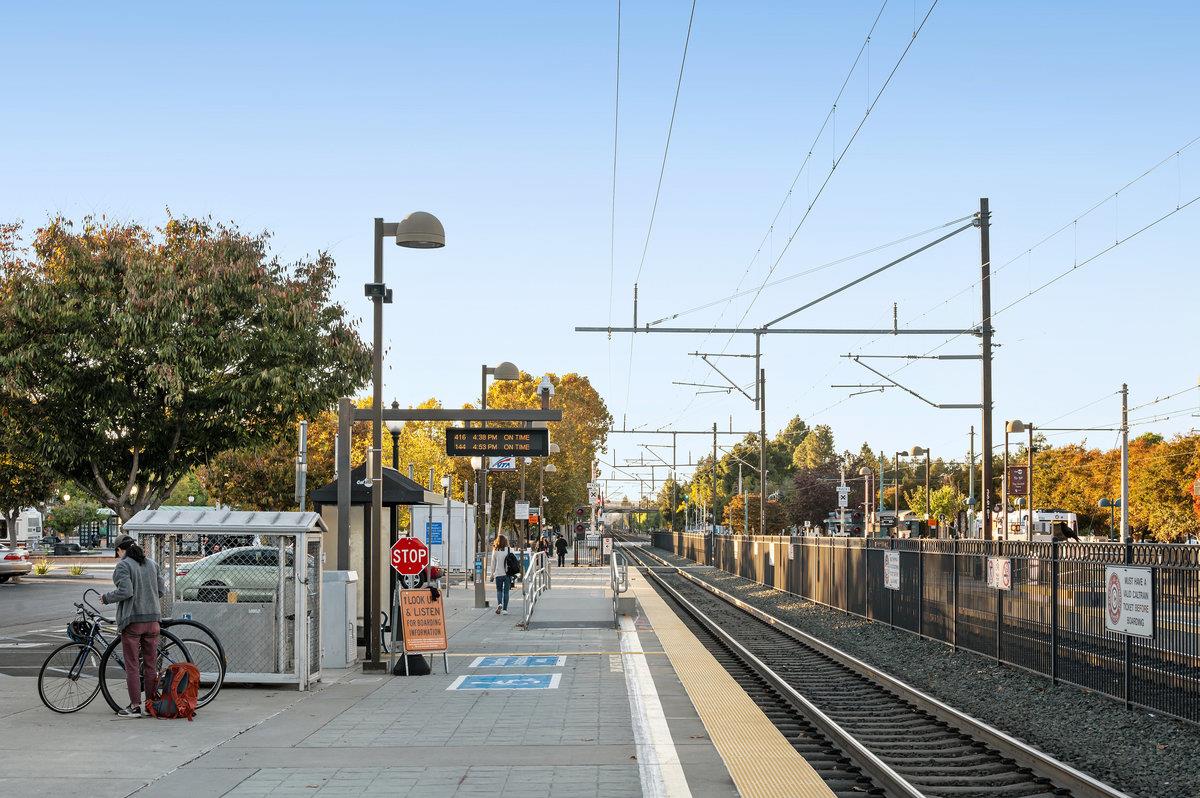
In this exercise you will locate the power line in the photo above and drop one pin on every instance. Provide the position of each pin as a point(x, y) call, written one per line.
point(1164, 398)
point(667, 147)
point(658, 190)
point(829, 176)
point(612, 212)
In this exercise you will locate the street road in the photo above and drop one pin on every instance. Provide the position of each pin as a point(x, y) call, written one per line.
point(34, 616)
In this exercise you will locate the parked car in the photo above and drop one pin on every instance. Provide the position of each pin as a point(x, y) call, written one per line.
point(252, 572)
point(14, 562)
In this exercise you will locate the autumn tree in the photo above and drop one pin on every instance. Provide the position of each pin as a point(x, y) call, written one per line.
point(735, 515)
point(129, 356)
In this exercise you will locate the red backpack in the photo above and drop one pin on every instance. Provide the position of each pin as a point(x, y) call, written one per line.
point(178, 694)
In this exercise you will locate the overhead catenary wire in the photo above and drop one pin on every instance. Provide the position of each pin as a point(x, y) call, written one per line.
point(658, 189)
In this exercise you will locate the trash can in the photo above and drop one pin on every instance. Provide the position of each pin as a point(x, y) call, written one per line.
point(339, 613)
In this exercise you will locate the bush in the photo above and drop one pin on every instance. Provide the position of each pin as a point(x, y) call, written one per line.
point(75, 570)
point(41, 567)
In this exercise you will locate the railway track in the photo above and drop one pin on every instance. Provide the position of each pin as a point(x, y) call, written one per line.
point(864, 732)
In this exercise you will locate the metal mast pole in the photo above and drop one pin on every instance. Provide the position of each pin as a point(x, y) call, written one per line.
point(762, 451)
point(1126, 535)
point(374, 553)
point(481, 507)
point(674, 481)
point(971, 487)
point(985, 258)
point(713, 531)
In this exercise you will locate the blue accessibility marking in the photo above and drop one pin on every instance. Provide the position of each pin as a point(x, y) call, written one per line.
point(531, 661)
point(515, 681)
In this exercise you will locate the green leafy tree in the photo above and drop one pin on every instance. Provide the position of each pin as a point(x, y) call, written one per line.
point(68, 516)
point(129, 356)
point(817, 450)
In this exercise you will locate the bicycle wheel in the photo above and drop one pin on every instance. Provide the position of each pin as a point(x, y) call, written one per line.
point(112, 666)
point(69, 677)
point(212, 670)
point(188, 630)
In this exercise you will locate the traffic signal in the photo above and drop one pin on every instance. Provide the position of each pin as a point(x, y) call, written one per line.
point(580, 512)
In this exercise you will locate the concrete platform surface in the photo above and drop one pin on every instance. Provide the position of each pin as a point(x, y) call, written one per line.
point(591, 711)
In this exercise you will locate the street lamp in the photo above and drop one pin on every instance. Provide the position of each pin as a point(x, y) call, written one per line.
point(1017, 427)
point(896, 480)
point(865, 472)
point(418, 230)
point(917, 451)
point(508, 372)
point(395, 427)
point(1112, 505)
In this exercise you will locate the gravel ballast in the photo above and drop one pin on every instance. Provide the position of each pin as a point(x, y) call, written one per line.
point(1133, 750)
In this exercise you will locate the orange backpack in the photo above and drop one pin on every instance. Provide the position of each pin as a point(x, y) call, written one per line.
point(179, 693)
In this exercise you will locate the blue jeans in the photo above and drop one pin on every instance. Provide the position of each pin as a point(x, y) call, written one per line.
point(502, 583)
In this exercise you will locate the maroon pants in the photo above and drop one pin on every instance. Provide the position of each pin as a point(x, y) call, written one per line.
point(140, 641)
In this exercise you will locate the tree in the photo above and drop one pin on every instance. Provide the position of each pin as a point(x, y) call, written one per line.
point(190, 485)
point(813, 497)
point(130, 356)
point(68, 516)
point(817, 450)
point(735, 515)
point(945, 503)
point(24, 481)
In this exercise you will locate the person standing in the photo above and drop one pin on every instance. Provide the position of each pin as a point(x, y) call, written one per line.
point(501, 566)
point(139, 587)
point(560, 548)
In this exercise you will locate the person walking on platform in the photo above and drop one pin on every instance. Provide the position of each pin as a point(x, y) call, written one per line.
point(505, 566)
point(560, 547)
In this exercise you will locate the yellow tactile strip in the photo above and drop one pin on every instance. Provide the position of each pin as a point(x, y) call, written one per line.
point(760, 760)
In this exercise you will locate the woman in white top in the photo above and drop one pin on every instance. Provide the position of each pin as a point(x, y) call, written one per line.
point(500, 575)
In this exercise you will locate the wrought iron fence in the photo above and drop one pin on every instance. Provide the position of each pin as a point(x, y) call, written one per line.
point(1049, 621)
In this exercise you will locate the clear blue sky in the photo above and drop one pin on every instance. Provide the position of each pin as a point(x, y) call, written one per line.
point(310, 119)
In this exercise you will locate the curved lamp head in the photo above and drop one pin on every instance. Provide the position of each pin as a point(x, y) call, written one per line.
point(865, 472)
point(1017, 426)
point(554, 448)
point(506, 371)
point(917, 451)
point(420, 230)
point(902, 454)
point(550, 469)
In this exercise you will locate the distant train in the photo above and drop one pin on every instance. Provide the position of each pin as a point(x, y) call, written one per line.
point(1048, 525)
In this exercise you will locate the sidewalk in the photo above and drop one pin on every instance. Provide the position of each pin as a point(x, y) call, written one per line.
point(560, 724)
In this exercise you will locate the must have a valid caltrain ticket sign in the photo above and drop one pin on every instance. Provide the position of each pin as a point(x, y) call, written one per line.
point(497, 442)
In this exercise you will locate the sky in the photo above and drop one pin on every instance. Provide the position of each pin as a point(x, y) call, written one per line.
point(310, 119)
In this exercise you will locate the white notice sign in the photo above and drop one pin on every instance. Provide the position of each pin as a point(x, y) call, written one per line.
point(999, 573)
point(843, 493)
point(1129, 600)
point(891, 570)
point(607, 548)
point(522, 511)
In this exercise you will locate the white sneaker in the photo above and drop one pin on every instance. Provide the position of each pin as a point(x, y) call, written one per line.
point(504, 612)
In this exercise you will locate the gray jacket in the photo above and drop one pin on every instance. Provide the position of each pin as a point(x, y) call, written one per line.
point(139, 588)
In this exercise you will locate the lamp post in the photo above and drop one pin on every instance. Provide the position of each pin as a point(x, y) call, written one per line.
point(1112, 505)
point(508, 372)
point(865, 472)
point(896, 481)
point(542, 482)
point(1018, 427)
point(418, 230)
point(395, 427)
point(917, 451)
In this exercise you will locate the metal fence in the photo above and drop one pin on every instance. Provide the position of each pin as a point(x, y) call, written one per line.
point(1050, 621)
point(244, 588)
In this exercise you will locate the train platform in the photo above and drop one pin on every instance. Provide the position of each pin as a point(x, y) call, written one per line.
point(572, 706)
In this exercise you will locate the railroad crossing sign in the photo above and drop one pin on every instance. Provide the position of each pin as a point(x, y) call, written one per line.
point(409, 556)
point(843, 492)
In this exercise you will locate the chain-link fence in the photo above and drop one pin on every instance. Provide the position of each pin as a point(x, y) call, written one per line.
point(257, 592)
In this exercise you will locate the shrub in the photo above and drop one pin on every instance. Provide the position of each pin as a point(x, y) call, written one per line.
point(42, 567)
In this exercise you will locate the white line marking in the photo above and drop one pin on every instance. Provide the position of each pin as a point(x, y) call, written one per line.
point(658, 761)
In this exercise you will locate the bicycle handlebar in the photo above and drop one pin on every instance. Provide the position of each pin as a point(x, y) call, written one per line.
point(93, 609)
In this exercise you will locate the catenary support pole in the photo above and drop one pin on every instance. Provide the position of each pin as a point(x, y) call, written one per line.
point(1126, 535)
point(985, 344)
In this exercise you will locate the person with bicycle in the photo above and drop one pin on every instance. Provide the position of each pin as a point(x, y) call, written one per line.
point(139, 588)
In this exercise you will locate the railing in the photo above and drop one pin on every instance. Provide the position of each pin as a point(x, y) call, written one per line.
point(537, 581)
point(1049, 621)
point(618, 575)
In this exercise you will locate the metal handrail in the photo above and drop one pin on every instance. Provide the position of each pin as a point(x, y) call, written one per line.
point(618, 576)
point(537, 581)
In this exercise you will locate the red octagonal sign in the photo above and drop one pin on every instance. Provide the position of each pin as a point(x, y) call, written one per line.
point(410, 556)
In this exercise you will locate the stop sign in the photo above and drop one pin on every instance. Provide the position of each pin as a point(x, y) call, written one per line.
point(409, 556)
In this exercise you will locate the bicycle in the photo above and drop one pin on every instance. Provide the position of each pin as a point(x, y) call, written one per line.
point(75, 672)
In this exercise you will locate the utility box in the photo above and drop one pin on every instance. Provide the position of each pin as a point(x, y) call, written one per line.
point(339, 614)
